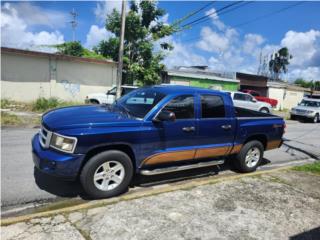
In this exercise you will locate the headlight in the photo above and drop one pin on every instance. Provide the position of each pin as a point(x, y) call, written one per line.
point(309, 112)
point(63, 143)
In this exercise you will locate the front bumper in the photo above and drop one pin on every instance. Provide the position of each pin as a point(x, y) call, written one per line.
point(302, 115)
point(54, 162)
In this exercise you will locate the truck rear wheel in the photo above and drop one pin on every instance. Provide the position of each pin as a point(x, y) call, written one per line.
point(107, 174)
point(249, 157)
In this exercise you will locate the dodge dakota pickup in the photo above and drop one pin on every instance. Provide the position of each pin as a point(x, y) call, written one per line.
point(152, 130)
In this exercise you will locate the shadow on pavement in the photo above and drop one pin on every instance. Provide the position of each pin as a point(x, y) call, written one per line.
point(58, 186)
point(307, 235)
point(71, 189)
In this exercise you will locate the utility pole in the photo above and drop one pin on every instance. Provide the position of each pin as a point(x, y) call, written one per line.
point(74, 24)
point(120, 57)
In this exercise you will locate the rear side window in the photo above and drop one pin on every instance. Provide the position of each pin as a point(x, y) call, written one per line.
point(212, 106)
point(182, 106)
point(239, 96)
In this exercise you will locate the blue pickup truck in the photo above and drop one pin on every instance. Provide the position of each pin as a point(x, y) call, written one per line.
point(152, 130)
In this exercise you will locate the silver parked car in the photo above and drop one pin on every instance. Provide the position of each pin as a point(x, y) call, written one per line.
point(308, 108)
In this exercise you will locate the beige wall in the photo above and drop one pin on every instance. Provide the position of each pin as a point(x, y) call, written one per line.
point(25, 78)
point(287, 99)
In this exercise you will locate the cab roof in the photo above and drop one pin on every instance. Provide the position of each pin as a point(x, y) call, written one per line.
point(169, 89)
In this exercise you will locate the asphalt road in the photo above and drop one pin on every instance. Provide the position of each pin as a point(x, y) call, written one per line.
point(20, 185)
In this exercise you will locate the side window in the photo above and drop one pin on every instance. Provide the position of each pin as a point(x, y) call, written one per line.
point(239, 96)
point(212, 107)
point(248, 98)
point(182, 106)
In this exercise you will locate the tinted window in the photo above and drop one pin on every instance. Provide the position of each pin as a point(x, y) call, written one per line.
point(212, 107)
point(182, 106)
point(239, 96)
point(248, 97)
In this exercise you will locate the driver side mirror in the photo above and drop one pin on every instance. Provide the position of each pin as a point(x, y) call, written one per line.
point(165, 116)
point(253, 100)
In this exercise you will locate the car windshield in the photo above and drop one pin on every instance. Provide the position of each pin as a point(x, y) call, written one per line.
point(307, 103)
point(139, 102)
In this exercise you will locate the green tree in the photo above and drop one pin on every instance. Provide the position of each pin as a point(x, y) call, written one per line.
point(143, 30)
point(77, 50)
point(71, 49)
point(279, 62)
point(303, 83)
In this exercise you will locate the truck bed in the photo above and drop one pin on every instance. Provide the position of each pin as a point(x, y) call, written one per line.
point(247, 113)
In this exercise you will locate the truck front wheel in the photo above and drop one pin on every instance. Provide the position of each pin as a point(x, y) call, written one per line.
point(107, 174)
point(249, 157)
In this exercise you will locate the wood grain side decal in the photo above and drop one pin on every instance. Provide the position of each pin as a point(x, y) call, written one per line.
point(211, 152)
point(273, 144)
point(169, 157)
point(236, 149)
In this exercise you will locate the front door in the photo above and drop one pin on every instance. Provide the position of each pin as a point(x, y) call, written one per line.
point(176, 138)
point(215, 130)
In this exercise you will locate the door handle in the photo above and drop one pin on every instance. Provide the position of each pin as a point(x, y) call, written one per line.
point(188, 129)
point(226, 127)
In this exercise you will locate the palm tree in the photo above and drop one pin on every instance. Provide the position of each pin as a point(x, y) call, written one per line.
point(278, 62)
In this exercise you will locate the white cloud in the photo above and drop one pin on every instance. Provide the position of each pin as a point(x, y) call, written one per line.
point(34, 15)
point(215, 19)
point(251, 42)
point(106, 7)
point(180, 56)
point(212, 41)
point(95, 35)
point(15, 32)
point(302, 45)
point(309, 73)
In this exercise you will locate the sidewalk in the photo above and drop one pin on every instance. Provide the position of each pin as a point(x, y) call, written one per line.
point(278, 205)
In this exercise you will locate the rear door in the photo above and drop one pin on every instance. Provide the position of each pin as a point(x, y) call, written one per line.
point(215, 129)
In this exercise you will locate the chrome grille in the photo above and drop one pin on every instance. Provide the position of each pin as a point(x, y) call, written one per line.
point(44, 137)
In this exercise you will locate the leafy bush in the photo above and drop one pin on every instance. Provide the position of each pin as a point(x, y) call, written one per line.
point(9, 119)
point(5, 103)
point(44, 104)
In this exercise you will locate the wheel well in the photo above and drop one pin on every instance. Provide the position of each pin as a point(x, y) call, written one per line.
point(260, 137)
point(121, 147)
point(94, 101)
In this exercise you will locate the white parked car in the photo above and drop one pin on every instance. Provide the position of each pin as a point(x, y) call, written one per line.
point(309, 108)
point(108, 97)
point(245, 100)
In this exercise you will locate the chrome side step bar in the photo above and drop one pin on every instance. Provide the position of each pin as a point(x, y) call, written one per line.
point(180, 168)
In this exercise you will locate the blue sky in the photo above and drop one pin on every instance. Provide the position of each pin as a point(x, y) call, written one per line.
point(216, 42)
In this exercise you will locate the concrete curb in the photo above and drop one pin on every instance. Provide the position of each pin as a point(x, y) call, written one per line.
point(134, 195)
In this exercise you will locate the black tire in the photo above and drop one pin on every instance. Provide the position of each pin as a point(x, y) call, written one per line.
point(316, 118)
point(293, 117)
point(264, 110)
point(89, 169)
point(240, 159)
point(93, 101)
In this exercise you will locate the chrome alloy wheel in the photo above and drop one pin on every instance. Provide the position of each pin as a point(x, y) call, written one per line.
point(252, 157)
point(109, 175)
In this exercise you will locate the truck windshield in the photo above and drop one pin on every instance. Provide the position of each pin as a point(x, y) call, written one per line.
point(139, 102)
point(309, 103)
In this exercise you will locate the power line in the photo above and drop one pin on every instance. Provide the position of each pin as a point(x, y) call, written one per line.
point(256, 19)
point(208, 15)
point(268, 14)
point(227, 11)
point(199, 10)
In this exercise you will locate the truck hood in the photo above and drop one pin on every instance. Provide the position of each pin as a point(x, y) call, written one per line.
point(85, 116)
